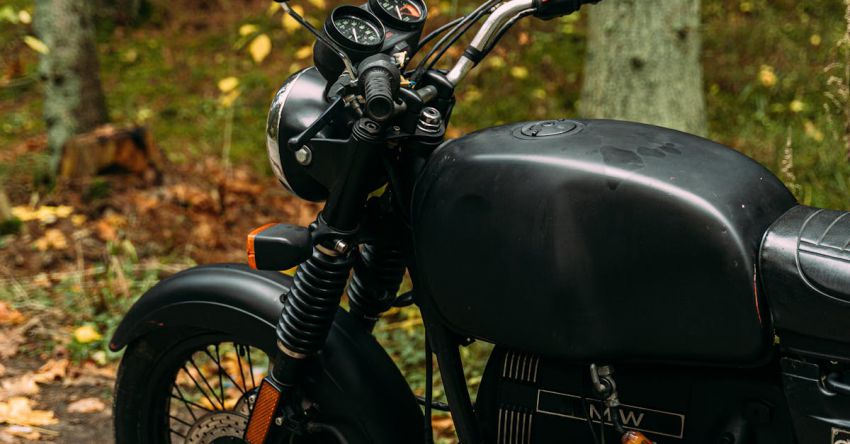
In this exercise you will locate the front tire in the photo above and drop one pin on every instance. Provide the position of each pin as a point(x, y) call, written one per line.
point(191, 385)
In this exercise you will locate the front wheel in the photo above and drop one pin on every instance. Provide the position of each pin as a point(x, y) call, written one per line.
point(190, 385)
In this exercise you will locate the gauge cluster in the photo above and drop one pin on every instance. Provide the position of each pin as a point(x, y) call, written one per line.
point(388, 26)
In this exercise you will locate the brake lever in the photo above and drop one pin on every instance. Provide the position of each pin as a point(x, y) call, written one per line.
point(322, 121)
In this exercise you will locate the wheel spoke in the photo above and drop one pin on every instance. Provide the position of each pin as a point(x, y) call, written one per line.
point(198, 385)
point(185, 401)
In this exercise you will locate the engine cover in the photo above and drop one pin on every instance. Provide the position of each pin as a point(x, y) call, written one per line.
point(598, 240)
point(525, 399)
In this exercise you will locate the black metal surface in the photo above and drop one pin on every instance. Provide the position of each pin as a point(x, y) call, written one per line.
point(620, 241)
point(820, 415)
point(233, 297)
point(378, 271)
point(525, 398)
point(805, 264)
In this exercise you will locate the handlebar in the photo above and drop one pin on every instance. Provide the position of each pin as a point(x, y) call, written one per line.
point(502, 17)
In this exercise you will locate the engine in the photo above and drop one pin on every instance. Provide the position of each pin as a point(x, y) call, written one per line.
point(525, 398)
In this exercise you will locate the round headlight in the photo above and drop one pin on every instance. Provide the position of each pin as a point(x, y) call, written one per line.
point(297, 104)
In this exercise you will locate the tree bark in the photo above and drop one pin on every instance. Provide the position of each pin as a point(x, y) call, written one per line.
point(73, 101)
point(643, 63)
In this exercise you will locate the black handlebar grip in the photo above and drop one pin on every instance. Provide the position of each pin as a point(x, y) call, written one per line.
point(379, 82)
point(378, 93)
point(548, 9)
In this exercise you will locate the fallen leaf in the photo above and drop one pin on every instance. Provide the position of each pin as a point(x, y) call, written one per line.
point(228, 84)
point(52, 370)
point(23, 385)
point(87, 334)
point(19, 411)
point(10, 316)
point(2, 370)
point(25, 432)
point(10, 340)
point(247, 29)
point(86, 405)
point(46, 214)
point(260, 47)
point(53, 239)
point(36, 44)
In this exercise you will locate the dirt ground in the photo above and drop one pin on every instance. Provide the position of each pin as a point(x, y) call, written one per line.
point(52, 388)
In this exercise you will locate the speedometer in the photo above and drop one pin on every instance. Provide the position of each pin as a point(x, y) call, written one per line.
point(355, 29)
point(405, 14)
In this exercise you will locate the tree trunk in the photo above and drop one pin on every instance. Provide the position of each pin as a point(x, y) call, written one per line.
point(643, 63)
point(73, 100)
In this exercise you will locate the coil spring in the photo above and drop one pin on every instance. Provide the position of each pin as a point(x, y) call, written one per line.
point(377, 275)
point(309, 308)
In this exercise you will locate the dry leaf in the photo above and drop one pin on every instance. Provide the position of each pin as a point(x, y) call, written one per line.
point(86, 405)
point(228, 84)
point(23, 385)
point(36, 44)
point(87, 334)
point(10, 316)
point(260, 47)
point(19, 411)
point(2, 370)
point(53, 239)
point(52, 370)
point(247, 29)
point(46, 214)
point(10, 340)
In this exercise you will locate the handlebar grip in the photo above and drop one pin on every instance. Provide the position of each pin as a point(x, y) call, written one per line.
point(378, 93)
point(379, 82)
point(549, 9)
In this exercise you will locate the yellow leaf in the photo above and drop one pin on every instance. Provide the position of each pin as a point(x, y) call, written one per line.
point(87, 334)
point(304, 52)
point(228, 84)
point(260, 47)
point(289, 24)
point(36, 44)
point(767, 76)
point(320, 4)
point(53, 239)
point(796, 106)
point(815, 40)
point(812, 131)
point(247, 29)
point(226, 100)
point(273, 8)
point(24, 17)
point(519, 72)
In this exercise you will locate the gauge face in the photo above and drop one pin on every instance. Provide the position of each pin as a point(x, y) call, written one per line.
point(404, 10)
point(358, 30)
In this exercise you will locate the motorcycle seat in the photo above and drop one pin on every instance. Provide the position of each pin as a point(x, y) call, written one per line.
point(805, 274)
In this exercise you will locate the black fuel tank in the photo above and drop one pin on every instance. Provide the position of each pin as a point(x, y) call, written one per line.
point(598, 240)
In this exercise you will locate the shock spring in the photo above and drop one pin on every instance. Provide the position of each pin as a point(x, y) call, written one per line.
point(378, 271)
point(309, 308)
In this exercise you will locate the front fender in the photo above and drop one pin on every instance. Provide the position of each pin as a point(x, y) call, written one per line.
point(231, 297)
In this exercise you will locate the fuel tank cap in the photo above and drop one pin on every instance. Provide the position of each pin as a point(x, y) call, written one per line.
point(548, 128)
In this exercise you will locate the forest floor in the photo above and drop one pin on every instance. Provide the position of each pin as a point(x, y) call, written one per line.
point(777, 89)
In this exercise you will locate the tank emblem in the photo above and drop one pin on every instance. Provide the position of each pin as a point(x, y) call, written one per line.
point(548, 128)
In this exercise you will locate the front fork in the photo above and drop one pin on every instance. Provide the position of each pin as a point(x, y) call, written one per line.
point(309, 307)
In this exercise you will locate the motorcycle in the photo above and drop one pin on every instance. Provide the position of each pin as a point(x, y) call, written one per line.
point(639, 284)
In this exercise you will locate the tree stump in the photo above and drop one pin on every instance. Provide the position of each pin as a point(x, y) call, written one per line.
point(109, 149)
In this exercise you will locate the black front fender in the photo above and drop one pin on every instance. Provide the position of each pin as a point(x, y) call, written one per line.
point(231, 297)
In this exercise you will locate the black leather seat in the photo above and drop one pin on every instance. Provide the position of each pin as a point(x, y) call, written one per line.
point(805, 273)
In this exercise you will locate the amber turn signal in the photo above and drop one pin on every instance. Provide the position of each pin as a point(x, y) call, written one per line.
point(632, 437)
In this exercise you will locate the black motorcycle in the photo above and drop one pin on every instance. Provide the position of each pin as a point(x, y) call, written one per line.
point(639, 284)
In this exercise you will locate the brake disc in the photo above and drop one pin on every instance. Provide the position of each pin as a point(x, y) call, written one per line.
point(218, 428)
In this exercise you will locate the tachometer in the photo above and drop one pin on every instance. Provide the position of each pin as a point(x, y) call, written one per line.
point(404, 14)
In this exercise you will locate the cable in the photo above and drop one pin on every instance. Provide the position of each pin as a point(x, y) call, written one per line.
point(504, 30)
point(452, 36)
point(433, 34)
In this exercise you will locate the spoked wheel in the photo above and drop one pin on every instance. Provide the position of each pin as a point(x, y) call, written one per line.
point(187, 386)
